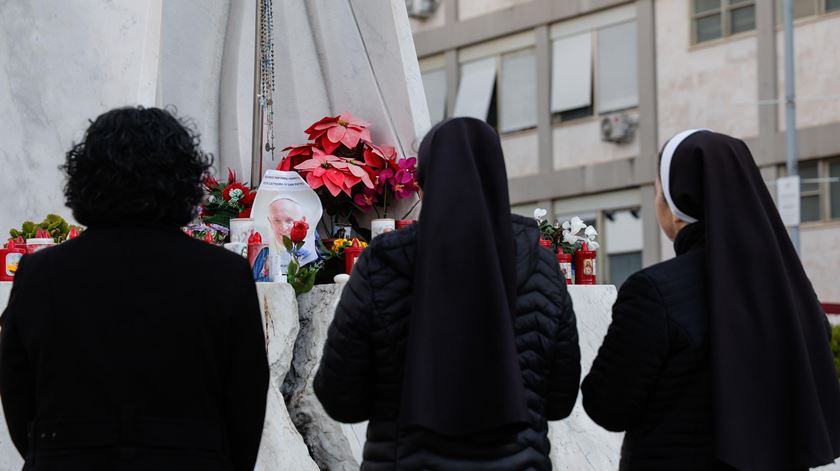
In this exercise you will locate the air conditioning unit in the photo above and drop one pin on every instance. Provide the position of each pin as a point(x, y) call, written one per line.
point(618, 128)
point(421, 9)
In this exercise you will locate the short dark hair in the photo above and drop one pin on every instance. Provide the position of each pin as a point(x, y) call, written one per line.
point(136, 165)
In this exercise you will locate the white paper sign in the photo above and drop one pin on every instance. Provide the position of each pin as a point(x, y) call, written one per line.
point(787, 199)
point(282, 199)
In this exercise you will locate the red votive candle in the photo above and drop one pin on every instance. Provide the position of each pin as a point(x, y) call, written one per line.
point(403, 223)
point(585, 270)
point(10, 258)
point(565, 261)
point(547, 244)
point(351, 256)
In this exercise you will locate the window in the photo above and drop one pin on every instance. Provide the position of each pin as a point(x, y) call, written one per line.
point(714, 19)
point(618, 78)
point(832, 5)
point(623, 243)
point(571, 74)
point(475, 91)
point(623, 265)
point(820, 189)
point(801, 9)
point(518, 91)
point(834, 191)
point(434, 83)
point(810, 187)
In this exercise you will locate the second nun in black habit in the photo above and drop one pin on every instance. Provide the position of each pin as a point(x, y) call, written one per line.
point(455, 337)
point(718, 359)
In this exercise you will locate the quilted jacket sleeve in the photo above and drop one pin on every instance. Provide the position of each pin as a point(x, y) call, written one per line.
point(344, 379)
point(564, 377)
point(629, 362)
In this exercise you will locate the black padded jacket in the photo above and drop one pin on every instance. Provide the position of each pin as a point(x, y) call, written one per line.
point(361, 372)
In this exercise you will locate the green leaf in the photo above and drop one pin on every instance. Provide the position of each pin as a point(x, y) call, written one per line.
point(29, 229)
point(288, 244)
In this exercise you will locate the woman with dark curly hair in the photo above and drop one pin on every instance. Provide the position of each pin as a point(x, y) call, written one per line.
point(112, 353)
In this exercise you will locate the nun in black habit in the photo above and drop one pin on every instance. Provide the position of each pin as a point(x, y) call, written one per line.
point(455, 337)
point(718, 358)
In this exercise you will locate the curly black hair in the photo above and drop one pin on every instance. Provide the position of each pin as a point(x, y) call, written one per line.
point(136, 164)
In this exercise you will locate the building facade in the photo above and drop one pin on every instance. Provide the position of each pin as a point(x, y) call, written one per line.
point(585, 92)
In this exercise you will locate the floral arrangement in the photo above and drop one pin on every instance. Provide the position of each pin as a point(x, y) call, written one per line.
point(53, 226)
point(226, 200)
point(211, 233)
point(302, 278)
point(350, 173)
point(339, 245)
point(566, 236)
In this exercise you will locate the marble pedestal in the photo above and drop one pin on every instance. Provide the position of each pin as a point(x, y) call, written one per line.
point(334, 446)
point(282, 447)
point(577, 443)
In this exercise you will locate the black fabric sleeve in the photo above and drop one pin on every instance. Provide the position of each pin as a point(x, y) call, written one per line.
point(17, 369)
point(564, 377)
point(345, 376)
point(247, 384)
point(631, 358)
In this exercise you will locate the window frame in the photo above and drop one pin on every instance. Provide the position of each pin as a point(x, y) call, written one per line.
point(725, 11)
point(827, 189)
point(823, 191)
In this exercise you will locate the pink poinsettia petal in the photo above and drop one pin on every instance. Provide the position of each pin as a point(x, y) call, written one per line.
point(322, 124)
point(315, 182)
point(351, 181)
point(336, 134)
point(332, 187)
point(362, 174)
point(310, 164)
point(319, 172)
point(364, 135)
point(351, 139)
point(340, 164)
point(335, 176)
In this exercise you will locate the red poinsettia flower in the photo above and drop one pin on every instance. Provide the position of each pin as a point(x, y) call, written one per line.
point(297, 155)
point(245, 214)
point(379, 156)
point(235, 193)
point(231, 176)
point(335, 173)
point(344, 129)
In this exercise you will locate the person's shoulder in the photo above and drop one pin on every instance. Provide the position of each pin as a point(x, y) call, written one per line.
point(395, 240)
point(685, 269)
point(523, 224)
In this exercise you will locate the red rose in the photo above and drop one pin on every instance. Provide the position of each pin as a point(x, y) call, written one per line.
point(299, 231)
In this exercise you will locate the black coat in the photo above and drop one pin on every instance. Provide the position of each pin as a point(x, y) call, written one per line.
point(360, 376)
point(134, 348)
point(652, 375)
